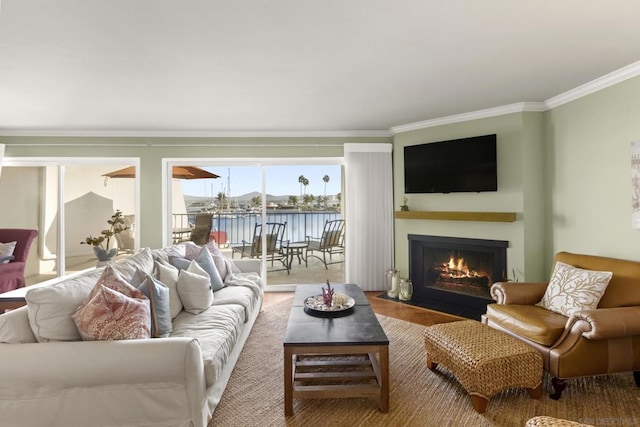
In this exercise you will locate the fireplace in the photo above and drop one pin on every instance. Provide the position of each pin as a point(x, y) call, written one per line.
point(454, 275)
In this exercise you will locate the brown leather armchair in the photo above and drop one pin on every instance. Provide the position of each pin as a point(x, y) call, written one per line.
point(589, 342)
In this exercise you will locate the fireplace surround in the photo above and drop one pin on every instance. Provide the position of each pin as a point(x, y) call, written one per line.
point(454, 275)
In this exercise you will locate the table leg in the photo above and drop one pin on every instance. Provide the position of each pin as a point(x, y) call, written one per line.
point(384, 379)
point(288, 382)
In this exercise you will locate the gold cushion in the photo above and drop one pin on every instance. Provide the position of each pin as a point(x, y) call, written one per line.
point(529, 321)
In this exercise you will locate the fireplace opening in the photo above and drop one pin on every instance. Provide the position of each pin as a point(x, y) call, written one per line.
point(454, 275)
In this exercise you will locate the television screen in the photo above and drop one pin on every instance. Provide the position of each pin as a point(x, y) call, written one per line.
point(459, 165)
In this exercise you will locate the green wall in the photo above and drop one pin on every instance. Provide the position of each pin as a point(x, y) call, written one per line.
point(589, 163)
point(520, 151)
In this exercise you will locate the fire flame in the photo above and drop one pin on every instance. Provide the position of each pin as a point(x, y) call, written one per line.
point(457, 267)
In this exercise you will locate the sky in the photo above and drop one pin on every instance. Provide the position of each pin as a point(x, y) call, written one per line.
point(281, 180)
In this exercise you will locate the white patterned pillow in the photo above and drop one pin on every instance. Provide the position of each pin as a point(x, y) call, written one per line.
point(572, 289)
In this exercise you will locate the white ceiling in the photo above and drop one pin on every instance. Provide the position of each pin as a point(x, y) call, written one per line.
point(295, 65)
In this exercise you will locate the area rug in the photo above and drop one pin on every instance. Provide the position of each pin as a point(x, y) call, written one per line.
point(418, 396)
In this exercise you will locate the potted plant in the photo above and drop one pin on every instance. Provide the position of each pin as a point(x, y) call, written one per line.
point(116, 225)
point(404, 206)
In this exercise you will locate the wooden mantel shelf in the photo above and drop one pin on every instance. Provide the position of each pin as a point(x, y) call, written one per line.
point(458, 216)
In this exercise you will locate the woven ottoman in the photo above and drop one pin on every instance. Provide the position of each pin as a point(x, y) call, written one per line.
point(544, 421)
point(485, 361)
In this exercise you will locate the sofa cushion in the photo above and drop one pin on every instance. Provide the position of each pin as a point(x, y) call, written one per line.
point(168, 275)
point(240, 295)
point(194, 288)
point(112, 315)
point(529, 321)
point(217, 330)
point(158, 295)
point(573, 289)
point(50, 307)
point(14, 327)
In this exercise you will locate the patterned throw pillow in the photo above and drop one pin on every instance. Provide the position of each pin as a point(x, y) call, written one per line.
point(158, 295)
point(111, 315)
point(572, 289)
point(111, 279)
point(191, 250)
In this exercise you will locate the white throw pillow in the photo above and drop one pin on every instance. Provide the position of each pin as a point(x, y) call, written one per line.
point(194, 288)
point(168, 275)
point(573, 289)
point(6, 249)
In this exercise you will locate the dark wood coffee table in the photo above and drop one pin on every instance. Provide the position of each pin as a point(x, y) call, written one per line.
point(321, 354)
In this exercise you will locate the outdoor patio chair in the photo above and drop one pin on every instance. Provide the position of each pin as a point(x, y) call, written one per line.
point(274, 233)
point(201, 233)
point(331, 242)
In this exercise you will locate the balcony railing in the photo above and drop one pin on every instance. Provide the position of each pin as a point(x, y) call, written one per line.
point(237, 227)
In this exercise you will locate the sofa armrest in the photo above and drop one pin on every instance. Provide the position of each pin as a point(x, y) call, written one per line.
point(248, 265)
point(606, 323)
point(526, 293)
point(47, 372)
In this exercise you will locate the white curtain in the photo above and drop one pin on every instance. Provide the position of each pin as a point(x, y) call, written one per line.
point(1, 156)
point(369, 214)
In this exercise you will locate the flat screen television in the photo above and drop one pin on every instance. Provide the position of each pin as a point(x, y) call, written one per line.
point(455, 166)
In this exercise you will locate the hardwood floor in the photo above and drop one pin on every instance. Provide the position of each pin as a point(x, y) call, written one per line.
point(421, 316)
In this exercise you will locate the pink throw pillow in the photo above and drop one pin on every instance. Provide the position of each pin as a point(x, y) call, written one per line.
point(111, 315)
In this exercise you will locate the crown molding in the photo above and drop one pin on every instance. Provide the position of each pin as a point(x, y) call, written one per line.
point(194, 134)
point(615, 77)
point(474, 115)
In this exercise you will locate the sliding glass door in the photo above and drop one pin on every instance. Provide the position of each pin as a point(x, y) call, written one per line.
point(299, 195)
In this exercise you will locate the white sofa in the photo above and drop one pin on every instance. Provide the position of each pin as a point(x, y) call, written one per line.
point(174, 381)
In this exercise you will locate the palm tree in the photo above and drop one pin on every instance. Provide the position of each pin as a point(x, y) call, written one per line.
point(221, 197)
point(256, 201)
point(305, 182)
point(308, 199)
point(301, 180)
point(293, 201)
point(326, 180)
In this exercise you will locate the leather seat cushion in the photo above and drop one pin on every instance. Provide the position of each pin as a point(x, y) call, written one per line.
point(529, 321)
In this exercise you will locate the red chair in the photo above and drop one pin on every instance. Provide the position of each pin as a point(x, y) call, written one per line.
point(12, 274)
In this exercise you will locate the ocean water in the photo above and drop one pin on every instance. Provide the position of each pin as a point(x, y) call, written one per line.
point(239, 227)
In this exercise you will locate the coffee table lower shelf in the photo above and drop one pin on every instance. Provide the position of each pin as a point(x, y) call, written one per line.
point(306, 368)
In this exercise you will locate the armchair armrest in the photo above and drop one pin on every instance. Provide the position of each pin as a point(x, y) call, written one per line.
point(526, 293)
point(606, 323)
